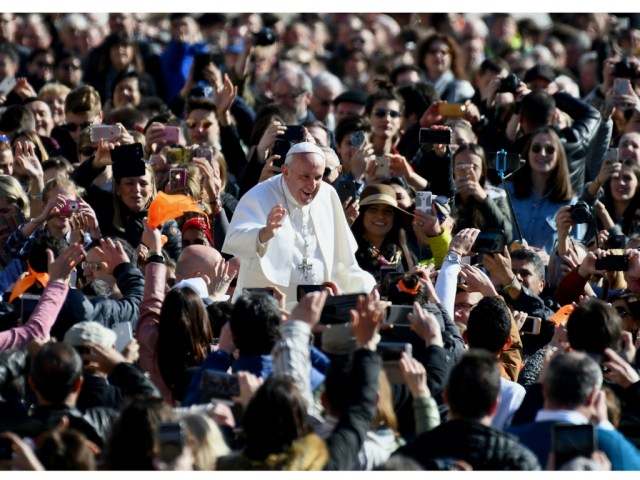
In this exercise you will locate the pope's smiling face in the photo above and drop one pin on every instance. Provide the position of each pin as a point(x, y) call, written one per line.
point(304, 176)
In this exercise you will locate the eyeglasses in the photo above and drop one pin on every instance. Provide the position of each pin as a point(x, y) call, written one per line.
point(288, 96)
point(381, 113)
point(73, 127)
point(93, 266)
point(328, 170)
point(436, 51)
point(87, 151)
point(622, 312)
point(204, 123)
point(546, 150)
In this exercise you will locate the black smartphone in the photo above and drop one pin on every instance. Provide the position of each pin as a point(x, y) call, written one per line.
point(346, 189)
point(29, 303)
point(397, 315)
point(336, 309)
point(435, 137)
point(280, 147)
point(170, 440)
point(531, 326)
point(571, 441)
point(489, 241)
point(127, 153)
point(218, 385)
point(201, 60)
point(293, 133)
point(392, 351)
point(261, 291)
point(302, 290)
point(613, 263)
point(504, 162)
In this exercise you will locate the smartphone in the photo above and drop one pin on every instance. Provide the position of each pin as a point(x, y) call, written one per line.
point(124, 334)
point(177, 156)
point(357, 138)
point(424, 201)
point(382, 166)
point(131, 152)
point(452, 109)
point(397, 315)
point(6, 449)
point(280, 147)
point(204, 152)
point(505, 162)
point(391, 353)
point(346, 189)
point(219, 385)
point(104, 132)
point(6, 85)
point(201, 60)
point(262, 291)
point(489, 241)
point(611, 156)
point(70, 207)
point(302, 290)
point(170, 440)
point(294, 133)
point(571, 441)
point(613, 263)
point(531, 326)
point(621, 86)
point(171, 135)
point(336, 309)
point(177, 179)
point(28, 305)
point(435, 137)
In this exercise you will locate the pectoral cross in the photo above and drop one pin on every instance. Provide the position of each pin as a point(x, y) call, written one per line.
point(306, 269)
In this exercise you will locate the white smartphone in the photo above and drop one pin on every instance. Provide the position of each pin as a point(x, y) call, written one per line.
point(6, 85)
point(382, 167)
point(621, 86)
point(424, 201)
point(104, 132)
point(124, 334)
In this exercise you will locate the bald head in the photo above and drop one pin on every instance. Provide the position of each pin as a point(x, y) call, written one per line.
point(196, 261)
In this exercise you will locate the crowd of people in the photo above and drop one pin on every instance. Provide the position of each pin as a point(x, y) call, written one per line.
point(319, 242)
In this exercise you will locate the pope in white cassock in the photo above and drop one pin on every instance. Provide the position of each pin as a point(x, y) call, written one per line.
point(291, 230)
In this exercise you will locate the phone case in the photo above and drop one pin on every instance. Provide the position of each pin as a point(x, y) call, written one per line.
point(171, 134)
point(452, 109)
point(382, 167)
point(423, 201)
point(124, 334)
point(104, 132)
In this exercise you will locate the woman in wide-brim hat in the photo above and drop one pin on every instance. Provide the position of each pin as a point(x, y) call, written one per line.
point(379, 231)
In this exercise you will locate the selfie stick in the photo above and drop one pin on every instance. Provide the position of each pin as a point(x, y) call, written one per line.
point(501, 167)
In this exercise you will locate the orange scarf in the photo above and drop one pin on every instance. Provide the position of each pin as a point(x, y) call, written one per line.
point(27, 281)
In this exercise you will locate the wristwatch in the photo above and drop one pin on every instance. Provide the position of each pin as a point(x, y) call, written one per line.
point(453, 257)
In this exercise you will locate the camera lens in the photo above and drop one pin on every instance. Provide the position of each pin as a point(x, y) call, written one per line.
point(509, 84)
point(581, 213)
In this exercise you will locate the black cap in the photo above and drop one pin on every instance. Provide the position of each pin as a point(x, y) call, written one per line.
point(539, 71)
point(128, 161)
point(352, 96)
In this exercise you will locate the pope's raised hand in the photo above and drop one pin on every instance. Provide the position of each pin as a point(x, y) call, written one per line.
point(274, 222)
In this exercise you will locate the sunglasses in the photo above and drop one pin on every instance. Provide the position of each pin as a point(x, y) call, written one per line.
point(73, 127)
point(381, 113)
point(87, 151)
point(328, 170)
point(69, 66)
point(204, 123)
point(546, 150)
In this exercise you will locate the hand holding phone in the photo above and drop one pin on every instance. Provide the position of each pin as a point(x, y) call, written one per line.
point(171, 135)
point(357, 139)
point(613, 263)
point(571, 441)
point(177, 179)
point(489, 241)
point(108, 133)
point(124, 334)
point(383, 168)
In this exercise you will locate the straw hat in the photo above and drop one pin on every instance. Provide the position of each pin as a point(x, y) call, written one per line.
point(380, 194)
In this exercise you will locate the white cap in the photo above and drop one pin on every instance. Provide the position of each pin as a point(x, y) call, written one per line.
point(305, 147)
point(196, 284)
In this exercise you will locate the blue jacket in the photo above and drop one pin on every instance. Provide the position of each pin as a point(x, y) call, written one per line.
point(620, 452)
point(176, 62)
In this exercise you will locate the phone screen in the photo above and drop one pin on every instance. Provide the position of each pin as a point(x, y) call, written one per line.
point(218, 385)
point(294, 133)
point(613, 263)
point(397, 315)
point(571, 441)
point(489, 242)
point(424, 201)
point(302, 290)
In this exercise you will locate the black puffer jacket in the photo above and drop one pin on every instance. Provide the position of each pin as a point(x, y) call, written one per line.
point(484, 448)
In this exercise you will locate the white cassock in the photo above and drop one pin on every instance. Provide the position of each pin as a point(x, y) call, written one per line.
point(317, 233)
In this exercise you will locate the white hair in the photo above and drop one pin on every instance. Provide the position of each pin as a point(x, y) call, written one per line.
point(329, 81)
